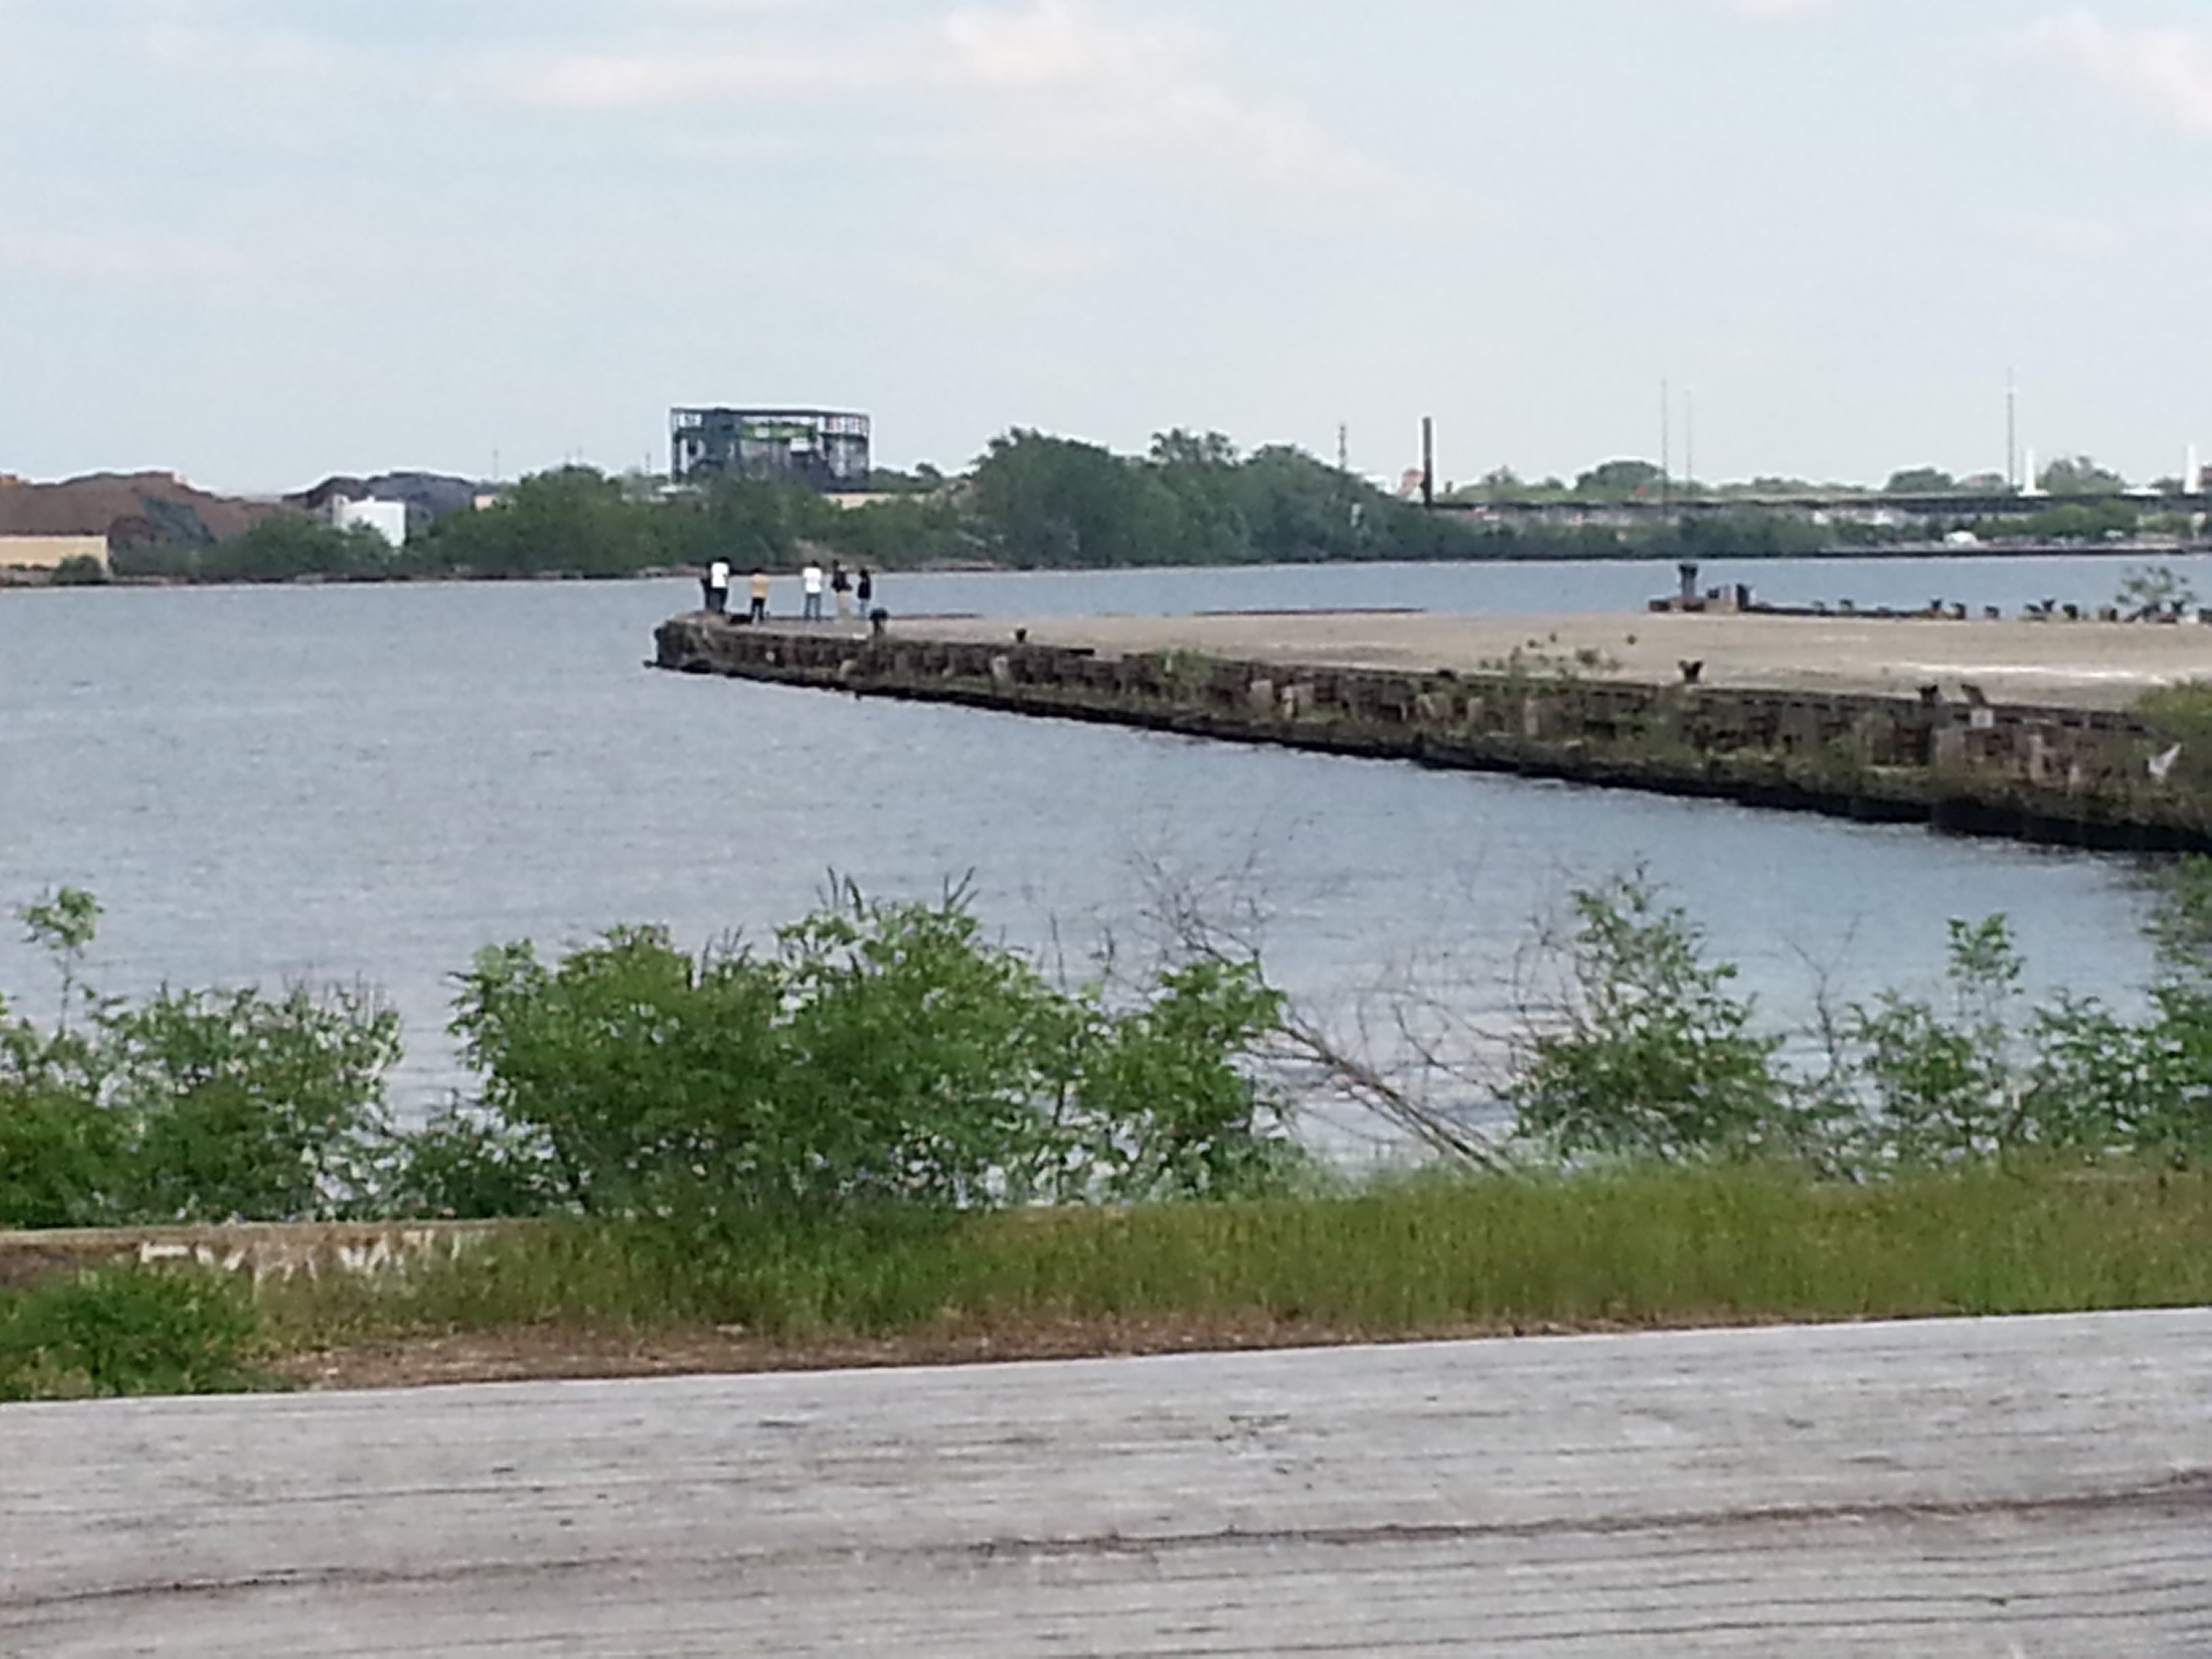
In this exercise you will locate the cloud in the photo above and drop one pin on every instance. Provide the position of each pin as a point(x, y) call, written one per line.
point(1045, 46)
point(2062, 236)
point(613, 82)
point(1080, 83)
point(1052, 44)
point(117, 257)
point(2170, 71)
point(1770, 11)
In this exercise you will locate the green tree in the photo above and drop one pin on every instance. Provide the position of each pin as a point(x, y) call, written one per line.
point(882, 1055)
point(81, 570)
point(63, 923)
point(573, 519)
point(246, 1107)
point(198, 1106)
point(1945, 1088)
point(1042, 500)
point(1646, 1052)
point(2078, 475)
point(1921, 480)
point(1620, 481)
point(1200, 472)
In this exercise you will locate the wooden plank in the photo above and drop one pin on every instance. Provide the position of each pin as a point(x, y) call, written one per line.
point(2033, 1486)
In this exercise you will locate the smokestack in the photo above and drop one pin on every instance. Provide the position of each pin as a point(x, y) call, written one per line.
point(1428, 460)
point(2028, 486)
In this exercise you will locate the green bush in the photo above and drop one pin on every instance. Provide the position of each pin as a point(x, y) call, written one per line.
point(882, 1055)
point(81, 570)
point(122, 1331)
point(194, 1106)
point(1646, 1053)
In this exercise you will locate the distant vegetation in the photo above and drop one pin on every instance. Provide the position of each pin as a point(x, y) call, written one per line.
point(1032, 502)
point(1036, 502)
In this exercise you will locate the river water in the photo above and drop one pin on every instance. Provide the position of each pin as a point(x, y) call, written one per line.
point(370, 783)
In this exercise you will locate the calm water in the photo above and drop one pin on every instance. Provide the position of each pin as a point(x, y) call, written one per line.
point(342, 783)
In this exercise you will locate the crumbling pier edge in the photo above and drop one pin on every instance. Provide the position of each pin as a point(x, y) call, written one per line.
point(2057, 776)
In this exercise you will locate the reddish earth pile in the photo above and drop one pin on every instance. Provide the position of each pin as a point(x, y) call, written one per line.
point(127, 508)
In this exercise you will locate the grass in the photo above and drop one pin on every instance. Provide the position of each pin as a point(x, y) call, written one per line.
point(117, 1331)
point(1414, 1258)
point(1422, 1258)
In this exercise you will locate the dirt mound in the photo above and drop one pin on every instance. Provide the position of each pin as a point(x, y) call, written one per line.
point(126, 508)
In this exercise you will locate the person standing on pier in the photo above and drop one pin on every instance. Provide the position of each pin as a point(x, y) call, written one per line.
point(841, 586)
point(718, 586)
point(865, 590)
point(810, 589)
point(759, 612)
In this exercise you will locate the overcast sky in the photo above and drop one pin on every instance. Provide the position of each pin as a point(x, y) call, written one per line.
point(261, 241)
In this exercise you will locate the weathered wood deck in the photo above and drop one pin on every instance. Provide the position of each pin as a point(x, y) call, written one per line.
point(2026, 1487)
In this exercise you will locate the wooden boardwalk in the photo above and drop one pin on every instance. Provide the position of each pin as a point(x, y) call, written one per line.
point(2027, 1487)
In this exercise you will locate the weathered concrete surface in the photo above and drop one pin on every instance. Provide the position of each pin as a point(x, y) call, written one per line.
point(261, 1251)
point(2080, 665)
point(2031, 1487)
point(1956, 753)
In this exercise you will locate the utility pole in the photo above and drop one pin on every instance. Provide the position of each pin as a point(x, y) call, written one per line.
point(2012, 432)
point(1349, 508)
point(1666, 443)
point(1428, 461)
point(1689, 439)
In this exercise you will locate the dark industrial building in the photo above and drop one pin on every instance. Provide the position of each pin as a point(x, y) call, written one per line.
point(823, 449)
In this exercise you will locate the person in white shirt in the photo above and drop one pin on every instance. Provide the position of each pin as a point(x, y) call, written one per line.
point(718, 586)
point(809, 585)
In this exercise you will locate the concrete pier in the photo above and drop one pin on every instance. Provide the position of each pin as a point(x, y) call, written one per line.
point(2033, 1487)
point(2016, 729)
point(2086, 665)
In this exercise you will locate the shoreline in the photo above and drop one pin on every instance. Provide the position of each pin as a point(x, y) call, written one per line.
point(28, 581)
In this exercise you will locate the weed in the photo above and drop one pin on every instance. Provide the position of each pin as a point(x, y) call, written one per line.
point(124, 1331)
point(1423, 1257)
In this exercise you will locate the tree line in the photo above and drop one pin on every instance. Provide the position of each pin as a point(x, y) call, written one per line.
point(1032, 501)
point(1037, 501)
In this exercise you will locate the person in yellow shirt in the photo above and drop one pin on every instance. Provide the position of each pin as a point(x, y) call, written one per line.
point(759, 612)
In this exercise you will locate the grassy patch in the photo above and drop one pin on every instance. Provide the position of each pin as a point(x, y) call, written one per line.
point(1424, 1258)
point(124, 1331)
point(2180, 710)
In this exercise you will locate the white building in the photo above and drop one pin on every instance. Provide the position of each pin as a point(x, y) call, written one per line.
point(387, 519)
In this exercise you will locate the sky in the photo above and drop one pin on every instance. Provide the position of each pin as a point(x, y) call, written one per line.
point(260, 241)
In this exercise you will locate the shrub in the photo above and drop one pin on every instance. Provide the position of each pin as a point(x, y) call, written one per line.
point(881, 1054)
point(1644, 1053)
point(81, 570)
point(119, 1331)
point(191, 1105)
